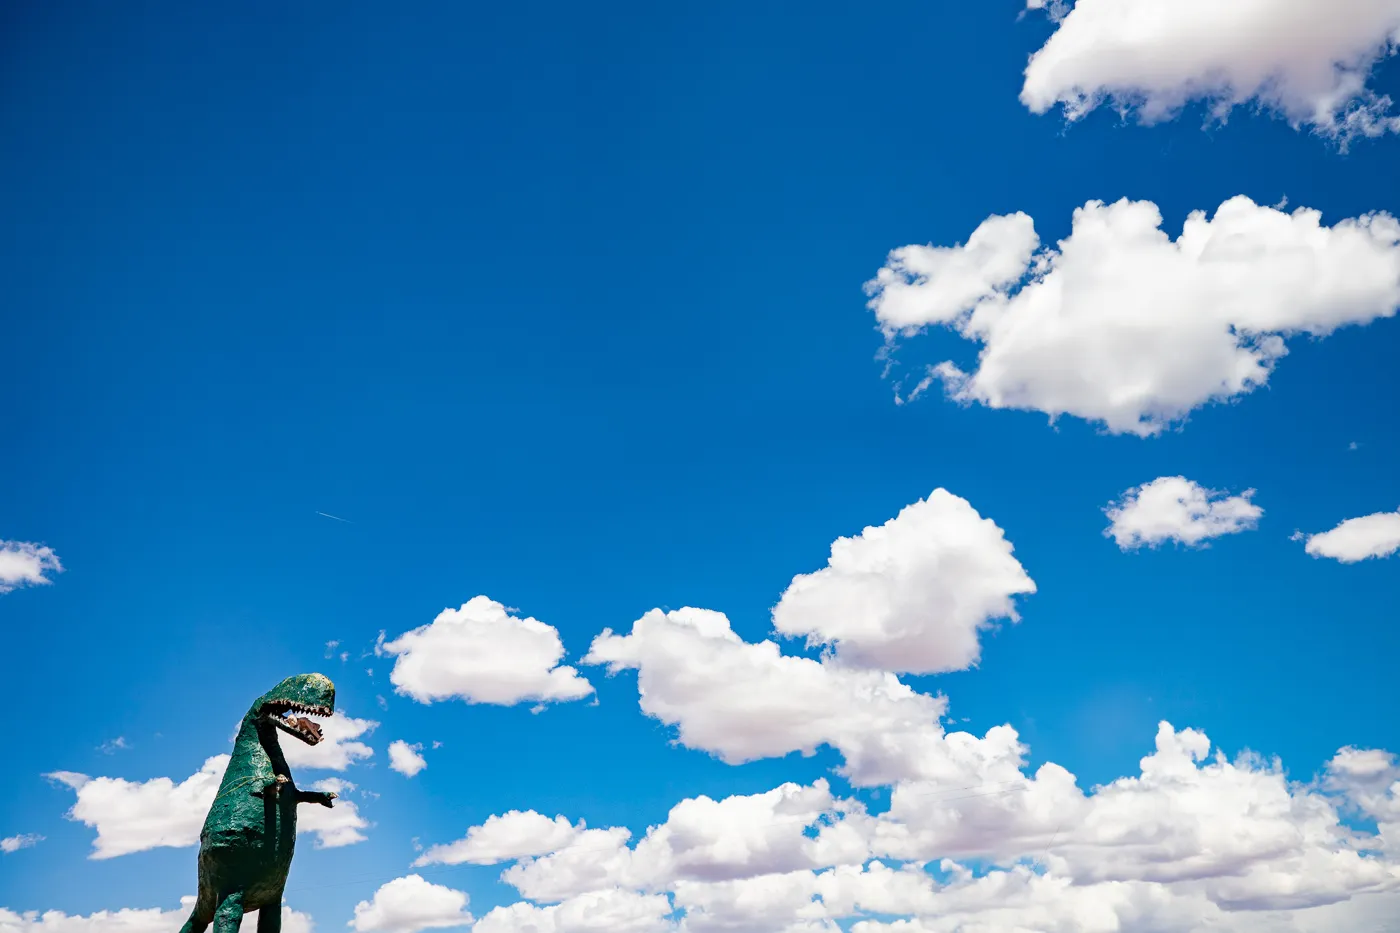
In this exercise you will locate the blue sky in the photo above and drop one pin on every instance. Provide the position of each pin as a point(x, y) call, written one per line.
point(564, 307)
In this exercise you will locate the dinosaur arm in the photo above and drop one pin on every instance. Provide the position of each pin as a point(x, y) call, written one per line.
point(322, 797)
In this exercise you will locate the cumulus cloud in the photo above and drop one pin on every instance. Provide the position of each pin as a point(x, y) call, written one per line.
point(132, 920)
point(22, 841)
point(339, 747)
point(922, 285)
point(1369, 781)
point(410, 904)
point(512, 835)
point(126, 920)
point(1357, 539)
point(1016, 899)
point(614, 911)
point(1369, 778)
point(744, 701)
point(912, 595)
point(26, 564)
point(785, 903)
point(1020, 899)
point(791, 827)
point(1235, 832)
point(406, 759)
point(337, 826)
point(481, 653)
point(595, 860)
point(1308, 62)
point(133, 816)
point(972, 840)
point(804, 901)
point(1195, 841)
point(1122, 325)
point(1173, 508)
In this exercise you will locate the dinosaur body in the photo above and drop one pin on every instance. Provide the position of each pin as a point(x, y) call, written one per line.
point(245, 848)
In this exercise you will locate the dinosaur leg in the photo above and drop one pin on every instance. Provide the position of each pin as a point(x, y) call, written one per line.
point(197, 922)
point(270, 918)
point(230, 913)
point(205, 903)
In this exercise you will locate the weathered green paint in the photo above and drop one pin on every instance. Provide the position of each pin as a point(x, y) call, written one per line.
point(245, 848)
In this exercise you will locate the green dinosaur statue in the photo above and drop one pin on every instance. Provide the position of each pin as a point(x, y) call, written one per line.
point(245, 848)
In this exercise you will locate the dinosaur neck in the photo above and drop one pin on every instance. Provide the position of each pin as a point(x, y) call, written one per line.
point(257, 746)
point(251, 807)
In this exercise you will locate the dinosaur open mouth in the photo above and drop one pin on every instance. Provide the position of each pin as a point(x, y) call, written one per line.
point(283, 716)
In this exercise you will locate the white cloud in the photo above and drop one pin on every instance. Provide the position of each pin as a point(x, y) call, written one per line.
point(614, 911)
point(410, 904)
point(22, 841)
point(338, 748)
point(1014, 900)
point(1022, 901)
point(801, 901)
point(1223, 835)
point(1120, 324)
point(777, 902)
point(1369, 780)
point(1307, 61)
point(1173, 508)
point(745, 701)
point(481, 653)
point(25, 564)
point(922, 285)
point(132, 920)
point(406, 759)
point(126, 920)
point(1235, 834)
point(911, 595)
point(133, 816)
point(1357, 539)
point(503, 838)
point(597, 859)
point(791, 827)
point(875, 888)
point(1194, 842)
point(336, 826)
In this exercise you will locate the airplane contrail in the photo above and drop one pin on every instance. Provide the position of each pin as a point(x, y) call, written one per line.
point(335, 517)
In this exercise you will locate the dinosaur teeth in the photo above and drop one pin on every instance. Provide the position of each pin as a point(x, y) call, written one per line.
point(290, 707)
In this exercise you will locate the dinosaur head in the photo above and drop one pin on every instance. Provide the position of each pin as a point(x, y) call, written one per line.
point(301, 693)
